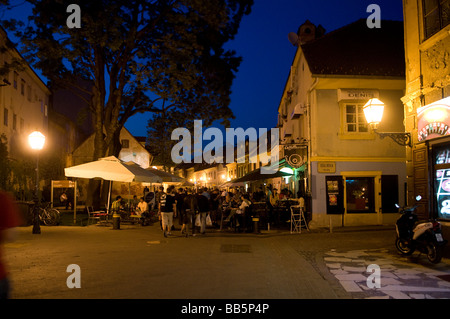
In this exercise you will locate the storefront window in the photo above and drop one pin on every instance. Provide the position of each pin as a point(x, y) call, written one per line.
point(442, 181)
point(360, 195)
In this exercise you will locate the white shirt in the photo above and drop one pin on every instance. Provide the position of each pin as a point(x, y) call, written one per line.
point(142, 207)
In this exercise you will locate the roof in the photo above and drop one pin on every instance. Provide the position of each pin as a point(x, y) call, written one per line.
point(356, 49)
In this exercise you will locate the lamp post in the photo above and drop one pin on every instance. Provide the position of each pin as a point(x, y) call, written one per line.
point(373, 111)
point(36, 140)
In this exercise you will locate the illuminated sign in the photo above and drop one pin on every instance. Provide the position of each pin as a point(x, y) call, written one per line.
point(433, 120)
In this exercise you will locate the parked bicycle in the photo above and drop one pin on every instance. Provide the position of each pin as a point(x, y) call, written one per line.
point(48, 215)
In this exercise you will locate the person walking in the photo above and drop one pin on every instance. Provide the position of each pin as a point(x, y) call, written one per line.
point(168, 210)
point(203, 208)
point(9, 219)
point(179, 197)
point(190, 209)
point(160, 193)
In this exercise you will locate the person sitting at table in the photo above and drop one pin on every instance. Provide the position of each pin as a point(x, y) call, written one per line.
point(142, 211)
point(142, 207)
point(226, 205)
point(239, 210)
point(242, 213)
point(134, 203)
point(117, 206)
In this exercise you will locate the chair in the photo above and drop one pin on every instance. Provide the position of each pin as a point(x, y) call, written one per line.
point(297, 218)
point(96, 215)
point(224, 214)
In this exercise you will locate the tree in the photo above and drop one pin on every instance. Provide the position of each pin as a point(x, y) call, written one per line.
point(138, 55)
point(150, 52)
point(159, 130)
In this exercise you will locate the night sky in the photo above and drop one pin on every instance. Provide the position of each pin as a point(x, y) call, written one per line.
point(267, 54)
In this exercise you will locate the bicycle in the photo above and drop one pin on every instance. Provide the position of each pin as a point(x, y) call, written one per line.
point(49, 216)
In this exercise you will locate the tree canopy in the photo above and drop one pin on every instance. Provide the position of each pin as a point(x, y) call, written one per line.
point(139, 56)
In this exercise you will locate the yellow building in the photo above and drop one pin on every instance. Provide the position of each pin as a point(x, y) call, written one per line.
point(348, 175)
point(427, 105)
point(24, 99)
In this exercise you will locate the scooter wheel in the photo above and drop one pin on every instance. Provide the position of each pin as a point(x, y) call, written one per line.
point(434, 253)
point(403, 248)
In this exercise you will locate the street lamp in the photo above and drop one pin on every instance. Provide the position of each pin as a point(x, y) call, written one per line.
point(373, 111)
point(36, 140)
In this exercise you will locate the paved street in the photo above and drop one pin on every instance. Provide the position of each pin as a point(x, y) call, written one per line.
point(138, 262)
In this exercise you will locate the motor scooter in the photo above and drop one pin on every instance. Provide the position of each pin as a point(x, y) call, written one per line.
point(426, 237)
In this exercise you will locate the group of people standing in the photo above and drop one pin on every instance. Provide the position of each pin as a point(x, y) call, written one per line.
point(192, 209)
point(197, 209)
point(206, 207)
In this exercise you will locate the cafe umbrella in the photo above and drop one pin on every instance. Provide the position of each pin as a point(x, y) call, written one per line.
point(112, 169)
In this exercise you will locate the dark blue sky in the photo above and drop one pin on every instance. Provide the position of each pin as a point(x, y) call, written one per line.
point(267, 54)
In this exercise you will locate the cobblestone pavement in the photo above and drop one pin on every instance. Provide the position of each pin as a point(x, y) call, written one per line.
point(139, 263)
point(401, 278)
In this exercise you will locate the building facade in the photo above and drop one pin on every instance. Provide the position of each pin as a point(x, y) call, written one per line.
point(347, 173)
point(427, 106)
point(24, 99)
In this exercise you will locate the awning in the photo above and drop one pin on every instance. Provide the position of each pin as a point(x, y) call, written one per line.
point(255, 175)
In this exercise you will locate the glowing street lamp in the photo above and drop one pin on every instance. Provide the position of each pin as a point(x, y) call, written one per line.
point(373, 111)
point(36, 140)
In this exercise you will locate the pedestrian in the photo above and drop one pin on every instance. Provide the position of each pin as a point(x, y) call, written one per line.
point(203, 208)
point(270, 202)
point(190, 209)
point(9, 218)
point(158, 196)
point(168, 210)
point(179, 197)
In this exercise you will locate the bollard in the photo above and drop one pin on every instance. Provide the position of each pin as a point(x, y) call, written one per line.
point(116, 221)
point(255, 225)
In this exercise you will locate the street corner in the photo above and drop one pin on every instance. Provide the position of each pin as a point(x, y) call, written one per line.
point(383, 274)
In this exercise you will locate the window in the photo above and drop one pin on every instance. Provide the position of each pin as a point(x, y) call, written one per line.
point(441, 155)
point(29, 92)
point(125, 143)
point(354, 119)
point(360, 195)
point(16, 77)
point(22, 87)
point(14, 124)
point(436, 16)
point(5, 116)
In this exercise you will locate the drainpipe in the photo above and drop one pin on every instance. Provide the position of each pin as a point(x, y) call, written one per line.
point(308, 114)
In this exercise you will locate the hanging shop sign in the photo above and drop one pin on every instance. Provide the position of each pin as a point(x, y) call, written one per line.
point(357, 94)
point(433, 120)
point(295, 155)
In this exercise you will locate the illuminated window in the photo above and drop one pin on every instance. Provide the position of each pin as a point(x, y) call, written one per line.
point(354, 119)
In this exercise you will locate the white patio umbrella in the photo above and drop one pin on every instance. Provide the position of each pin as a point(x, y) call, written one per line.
point(112, 169)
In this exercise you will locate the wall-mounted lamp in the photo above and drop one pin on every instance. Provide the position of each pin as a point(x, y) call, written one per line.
point(373, 111)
